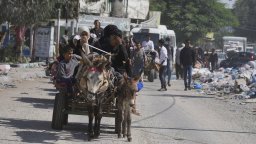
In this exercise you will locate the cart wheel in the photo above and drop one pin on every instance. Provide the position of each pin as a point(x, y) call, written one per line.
point(151, 75)
point(58, 112)
point(65, 119)
point(116, 122)
point(116, 115)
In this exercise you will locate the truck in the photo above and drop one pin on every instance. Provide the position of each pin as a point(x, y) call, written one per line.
point(231, 43)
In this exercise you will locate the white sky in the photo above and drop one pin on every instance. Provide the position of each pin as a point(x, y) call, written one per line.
point(229, 3)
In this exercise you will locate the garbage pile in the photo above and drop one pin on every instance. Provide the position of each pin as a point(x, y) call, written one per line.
point(239, 82)
point(6, 82)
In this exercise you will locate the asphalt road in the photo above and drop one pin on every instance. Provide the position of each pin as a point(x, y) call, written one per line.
point(172, 117)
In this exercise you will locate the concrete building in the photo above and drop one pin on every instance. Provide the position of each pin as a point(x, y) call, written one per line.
point(133, 9)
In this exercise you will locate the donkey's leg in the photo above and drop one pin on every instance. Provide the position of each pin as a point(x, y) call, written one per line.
point(98, 117)
point(129, 120)
point(119, 121)
point(124, 123)
point(90, 125)
point(95, 120)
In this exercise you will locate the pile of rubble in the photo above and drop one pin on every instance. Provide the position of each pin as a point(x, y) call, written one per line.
point(10, 76)
point(238, 82)
point(6, 82)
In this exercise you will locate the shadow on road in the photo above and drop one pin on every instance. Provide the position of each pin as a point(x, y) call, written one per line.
point(197, 130)
point(33, 131)
point(49, 90)
point(37, 102)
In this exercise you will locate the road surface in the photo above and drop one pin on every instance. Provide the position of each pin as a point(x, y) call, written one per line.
point(172, 117)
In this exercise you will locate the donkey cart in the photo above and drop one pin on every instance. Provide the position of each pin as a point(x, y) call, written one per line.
point(97, 93)
point(64, 105)
point(150, 68)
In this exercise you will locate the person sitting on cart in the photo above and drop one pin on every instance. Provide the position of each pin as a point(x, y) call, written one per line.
point(148, 46)
point(65, 72)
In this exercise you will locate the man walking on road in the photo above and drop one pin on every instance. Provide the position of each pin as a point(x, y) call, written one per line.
point(169, 59)
point(163, 65)
point(187, 60)
point(178, 67)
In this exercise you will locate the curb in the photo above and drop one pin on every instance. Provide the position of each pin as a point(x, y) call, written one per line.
point(28, 65)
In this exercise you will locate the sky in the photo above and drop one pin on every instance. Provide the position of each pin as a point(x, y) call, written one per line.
point(229, 3)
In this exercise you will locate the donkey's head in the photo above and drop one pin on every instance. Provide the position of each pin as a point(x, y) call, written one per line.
point(94, 80)
point(128, 86)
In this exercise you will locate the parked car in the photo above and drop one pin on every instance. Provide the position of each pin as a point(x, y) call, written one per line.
point(237, 59)
point(221, 56)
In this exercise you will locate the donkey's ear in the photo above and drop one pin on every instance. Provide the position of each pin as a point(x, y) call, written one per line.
point(136, 78)
point(125, 76)
point(102, 64)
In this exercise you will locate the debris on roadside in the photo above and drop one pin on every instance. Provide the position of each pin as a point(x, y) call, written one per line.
point(4, 69)
point(6, 82)
point(19, 74)
point(236, 83)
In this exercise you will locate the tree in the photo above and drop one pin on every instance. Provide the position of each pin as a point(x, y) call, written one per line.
point(23, 13)
point(245, 10)
point(157, 5)
point(194, 18)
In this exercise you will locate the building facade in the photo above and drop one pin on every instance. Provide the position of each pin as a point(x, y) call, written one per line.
point(133, 9)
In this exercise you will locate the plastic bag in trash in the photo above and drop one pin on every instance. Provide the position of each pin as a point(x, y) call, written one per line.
point(227, 70)
point(241, 96)
point(244, 88)
point(252, 64)
point(197, 86)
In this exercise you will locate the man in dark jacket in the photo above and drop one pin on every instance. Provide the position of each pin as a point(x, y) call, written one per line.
point(187, 60)
point(112, 42)
point(213, 59)
point(97, 30)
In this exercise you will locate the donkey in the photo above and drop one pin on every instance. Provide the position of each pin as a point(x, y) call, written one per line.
point(126, 91)
point(93, 83)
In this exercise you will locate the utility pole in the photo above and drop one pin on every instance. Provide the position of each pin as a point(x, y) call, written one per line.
point(78, 11)
point(66, 14)
point(58, 33)
point(126, 9)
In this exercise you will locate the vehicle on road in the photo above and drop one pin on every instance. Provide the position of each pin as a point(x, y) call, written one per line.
point(234, 43)
point(221, 56)
point(237, 59)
